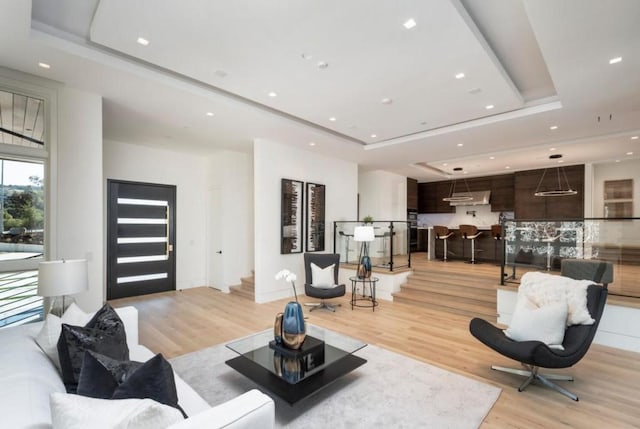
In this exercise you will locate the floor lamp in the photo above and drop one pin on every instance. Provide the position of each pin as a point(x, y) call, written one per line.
point(364, 234)
point(60, 278)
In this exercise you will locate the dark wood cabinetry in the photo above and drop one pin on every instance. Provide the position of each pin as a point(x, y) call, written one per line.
point(528, 206)
point(412, 194)
point(430, 197)
point(502, 195)
point(430, 194)
point(513, 192)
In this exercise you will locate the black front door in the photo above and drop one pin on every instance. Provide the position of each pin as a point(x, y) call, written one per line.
point(141, 237)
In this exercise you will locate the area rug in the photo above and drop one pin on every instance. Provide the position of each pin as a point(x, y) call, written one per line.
point(390, 390)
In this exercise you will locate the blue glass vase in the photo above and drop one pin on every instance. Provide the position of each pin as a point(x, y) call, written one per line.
point(293, 328)
point(364, 269)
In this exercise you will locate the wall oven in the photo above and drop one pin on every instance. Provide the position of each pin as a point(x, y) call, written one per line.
point(412, 218)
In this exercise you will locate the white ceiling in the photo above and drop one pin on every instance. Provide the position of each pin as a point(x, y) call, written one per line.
point(538, 62)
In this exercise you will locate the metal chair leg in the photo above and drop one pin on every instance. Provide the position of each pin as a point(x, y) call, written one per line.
point(532, 374)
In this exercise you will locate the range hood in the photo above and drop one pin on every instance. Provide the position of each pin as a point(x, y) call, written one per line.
point(477, 198)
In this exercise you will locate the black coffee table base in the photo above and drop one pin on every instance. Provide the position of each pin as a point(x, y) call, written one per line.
point(293, 393)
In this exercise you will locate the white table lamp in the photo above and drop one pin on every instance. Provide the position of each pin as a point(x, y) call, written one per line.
point(60, 278)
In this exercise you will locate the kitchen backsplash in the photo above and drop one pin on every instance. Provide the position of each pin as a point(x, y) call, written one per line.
point(464, 215)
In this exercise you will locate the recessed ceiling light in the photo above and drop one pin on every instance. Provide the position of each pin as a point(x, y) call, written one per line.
point(44, 65)
point(332, 119)
point(142, 41)
point(617, 160)
point(629, 153)
point(560, 161)
point(444, 164)
point(460, 76)
point(373, 136)
point(492, 157)
point(489, 106)
point(210, 114)
point(507, 167)
point(312, 143)
point(386, 101)
point(615, 60)
point(465, 172)
point(634, 138)
point(460, 144)
point(306, 56)
point(552, 149)
point(272, 94)
point(553, 127)
point(409, 23)
point(322, 65)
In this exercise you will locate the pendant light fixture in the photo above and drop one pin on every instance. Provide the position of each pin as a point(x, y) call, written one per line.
point(461, 196)
point(563, 189)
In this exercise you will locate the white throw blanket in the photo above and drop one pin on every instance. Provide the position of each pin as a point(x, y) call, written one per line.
point(543, 289)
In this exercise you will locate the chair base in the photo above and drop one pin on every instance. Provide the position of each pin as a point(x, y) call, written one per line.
point(322, 304)
point(531, 372)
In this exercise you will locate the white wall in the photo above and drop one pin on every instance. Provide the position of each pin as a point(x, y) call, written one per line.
point(123, 161)
point(383, 195)
point(230, 218)
point(78, 189)
point(273, 162)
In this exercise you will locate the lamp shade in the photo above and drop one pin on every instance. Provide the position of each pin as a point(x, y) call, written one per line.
point(363, 233)
point(59, 278)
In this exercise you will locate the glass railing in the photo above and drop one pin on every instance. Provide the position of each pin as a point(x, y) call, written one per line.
point(389, 250)
point(543, 244)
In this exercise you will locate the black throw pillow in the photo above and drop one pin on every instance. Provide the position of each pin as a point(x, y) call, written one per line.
point(100, 375)
point(103, 334)
point(106, 378)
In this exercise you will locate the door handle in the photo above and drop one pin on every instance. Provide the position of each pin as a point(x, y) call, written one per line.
point(219, 251)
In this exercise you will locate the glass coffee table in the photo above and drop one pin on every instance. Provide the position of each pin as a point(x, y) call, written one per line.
point(292, 377)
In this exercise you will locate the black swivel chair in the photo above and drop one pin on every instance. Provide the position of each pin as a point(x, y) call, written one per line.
point(322, 260)
point(577, 338)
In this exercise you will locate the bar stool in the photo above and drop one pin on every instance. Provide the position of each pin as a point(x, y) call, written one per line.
point(470, 232)
point(442, 233)
point(348, 236)
point(496, 233)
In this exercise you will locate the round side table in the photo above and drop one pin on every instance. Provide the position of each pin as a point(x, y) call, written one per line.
point(365, 300)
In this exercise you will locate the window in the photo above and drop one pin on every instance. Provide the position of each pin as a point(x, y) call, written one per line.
point(23, 156)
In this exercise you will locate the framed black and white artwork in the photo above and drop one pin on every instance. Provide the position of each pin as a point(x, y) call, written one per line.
point(291, 219)
point(315, 217)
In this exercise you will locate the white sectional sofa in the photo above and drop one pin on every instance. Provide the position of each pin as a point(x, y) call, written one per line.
point(28, 378)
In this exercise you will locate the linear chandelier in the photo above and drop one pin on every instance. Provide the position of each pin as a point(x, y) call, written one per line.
point(559, 192)
point(457, 198)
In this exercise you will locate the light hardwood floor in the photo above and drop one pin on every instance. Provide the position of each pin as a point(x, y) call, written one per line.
point(607, 379)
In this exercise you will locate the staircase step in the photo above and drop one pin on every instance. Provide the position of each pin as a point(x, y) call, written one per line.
point(449, 290)
point(246, 288)
point(454, 287)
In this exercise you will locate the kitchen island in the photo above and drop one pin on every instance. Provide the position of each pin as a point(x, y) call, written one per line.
point(458, 248)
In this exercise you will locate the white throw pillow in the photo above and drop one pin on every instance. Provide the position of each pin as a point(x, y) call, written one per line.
point(70, 411)
point(546, 324)
point(48, 336)
point(543, 289)
point(322, 278)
